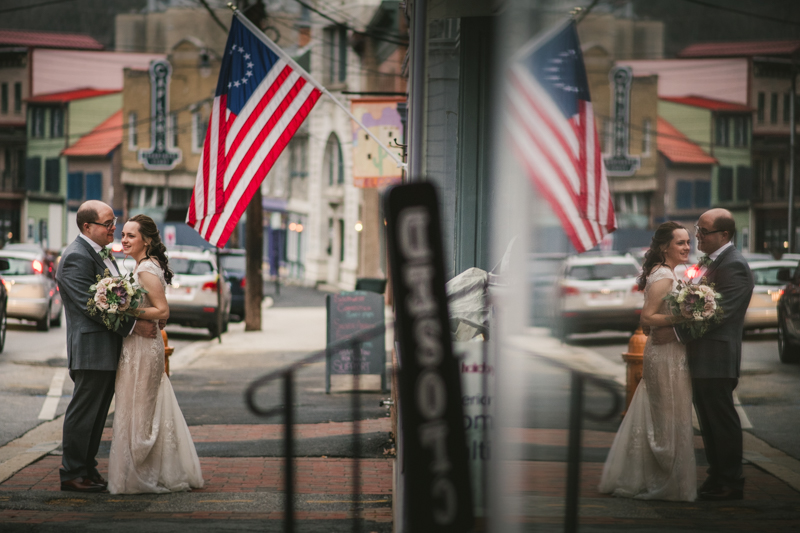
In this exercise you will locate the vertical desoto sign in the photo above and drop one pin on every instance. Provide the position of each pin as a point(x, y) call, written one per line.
point(437, 494)
point(161, 155)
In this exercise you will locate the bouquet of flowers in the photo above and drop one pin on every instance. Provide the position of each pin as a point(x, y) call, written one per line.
point(695, 307)
point(114, 298)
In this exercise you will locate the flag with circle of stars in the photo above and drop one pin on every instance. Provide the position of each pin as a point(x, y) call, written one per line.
point(261, 100)
point(550, 121)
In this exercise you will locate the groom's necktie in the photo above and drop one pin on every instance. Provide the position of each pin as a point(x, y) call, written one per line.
point(705, 261)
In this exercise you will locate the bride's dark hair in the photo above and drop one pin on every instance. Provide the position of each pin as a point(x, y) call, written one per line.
point(655, 255)
point(154, 248)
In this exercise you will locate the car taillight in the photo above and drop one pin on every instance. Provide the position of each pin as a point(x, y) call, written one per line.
point(776, 294)
point(243, 282)
point(635, 288)
point(210, 286)
point(692, 271)
point(569, 291)
point(37, 266)
point(8, 284)
point(116, 247)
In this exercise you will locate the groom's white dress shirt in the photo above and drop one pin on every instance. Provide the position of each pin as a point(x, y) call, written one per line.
point(96, 247)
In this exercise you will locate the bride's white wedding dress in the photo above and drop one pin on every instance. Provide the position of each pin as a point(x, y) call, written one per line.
point(151, 449)
point(652, 457)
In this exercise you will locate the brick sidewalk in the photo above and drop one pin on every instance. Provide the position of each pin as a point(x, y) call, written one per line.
point(244, 490)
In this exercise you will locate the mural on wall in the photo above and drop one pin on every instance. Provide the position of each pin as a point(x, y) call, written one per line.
point(372, 166)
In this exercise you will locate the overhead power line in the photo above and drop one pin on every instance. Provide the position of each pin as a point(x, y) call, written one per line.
point(33, 6)
point(397, 39)
point(742, 12)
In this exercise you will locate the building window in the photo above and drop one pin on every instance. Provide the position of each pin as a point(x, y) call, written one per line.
point(180, 197)
point(646, 136)
point(744, 183)
point(702, 194)
point(173, 130)
point(725, 184)
point(683, 194)
point(56, 123)
point(75, 186)
point(781, 181)
point(94, 186)
point(37, 123)
point(199, 129)
point(133, 131)
point(769, 184)
point(335, 52)
point(773, 108)
point(760, 112)
point(52, 175)
point(787, 107)
point(33, 174)
point(741, 131)
point(333, 164)
point(4, 98)
point(17, 98)
point(722, 133)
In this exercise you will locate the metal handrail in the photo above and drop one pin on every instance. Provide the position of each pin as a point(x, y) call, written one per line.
point(287, 375)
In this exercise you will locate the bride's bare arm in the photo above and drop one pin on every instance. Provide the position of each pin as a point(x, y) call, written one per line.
point(159, 309)
point(652, 304)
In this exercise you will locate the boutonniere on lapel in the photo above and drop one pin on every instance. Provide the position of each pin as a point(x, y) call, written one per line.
point(105, 253)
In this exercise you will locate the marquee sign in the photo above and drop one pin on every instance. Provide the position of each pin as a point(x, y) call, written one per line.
point(160, 155)
point(621, 163)
point(437, 492)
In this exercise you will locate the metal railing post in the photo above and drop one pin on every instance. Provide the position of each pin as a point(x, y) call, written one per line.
point(574, 453)
point(356, 409)
point(288, 445)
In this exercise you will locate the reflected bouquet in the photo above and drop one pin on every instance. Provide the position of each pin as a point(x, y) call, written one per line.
point(114, 298)
point(695, 307)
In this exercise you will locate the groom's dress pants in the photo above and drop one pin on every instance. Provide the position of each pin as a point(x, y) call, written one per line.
point(85, 420)
point(721, 429)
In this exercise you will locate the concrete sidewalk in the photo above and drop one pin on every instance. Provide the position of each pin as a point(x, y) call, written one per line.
point(241, 454)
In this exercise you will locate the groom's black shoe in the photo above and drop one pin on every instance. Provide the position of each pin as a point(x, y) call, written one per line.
point(82, 484)
point(709, 484)
point(97, 478)
point(721, 494)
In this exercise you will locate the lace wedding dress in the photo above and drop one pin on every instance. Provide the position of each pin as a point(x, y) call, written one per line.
point(151, 449)
point(652, 457)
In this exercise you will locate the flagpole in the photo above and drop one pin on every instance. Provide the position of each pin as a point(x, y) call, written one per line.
point(283, 55)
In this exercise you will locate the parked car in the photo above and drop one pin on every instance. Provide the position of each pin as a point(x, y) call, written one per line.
point(3, 305)
point(543, 271)
point(234, 268)
point(597, 292)
point(31, 285)
point(192, 296)
point(789, 315)
point(763, 309)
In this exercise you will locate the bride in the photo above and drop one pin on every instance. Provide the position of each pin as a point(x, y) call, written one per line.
point(652, 457)
point(151, 449)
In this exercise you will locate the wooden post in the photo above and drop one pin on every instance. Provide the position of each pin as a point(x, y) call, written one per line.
point(254, 287)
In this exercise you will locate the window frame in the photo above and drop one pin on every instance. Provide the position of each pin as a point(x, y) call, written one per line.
point(133, 131)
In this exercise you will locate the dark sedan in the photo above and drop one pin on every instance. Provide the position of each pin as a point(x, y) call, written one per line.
point(234, 266)
point(789, 316)
point(3, 305)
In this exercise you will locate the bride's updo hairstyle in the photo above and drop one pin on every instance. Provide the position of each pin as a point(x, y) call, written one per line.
point(154, 248)
point(655, 255)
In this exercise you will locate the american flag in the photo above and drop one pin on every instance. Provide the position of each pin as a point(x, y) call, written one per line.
point(552, 131)
point(261, 100)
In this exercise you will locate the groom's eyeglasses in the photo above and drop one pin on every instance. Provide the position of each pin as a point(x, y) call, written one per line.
point(110, 224)
point(704, 232)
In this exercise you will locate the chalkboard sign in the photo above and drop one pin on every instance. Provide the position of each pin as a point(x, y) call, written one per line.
point(350, 313)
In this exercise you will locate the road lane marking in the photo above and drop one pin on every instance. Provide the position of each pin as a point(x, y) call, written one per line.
point(48, 411)
point(746, 424)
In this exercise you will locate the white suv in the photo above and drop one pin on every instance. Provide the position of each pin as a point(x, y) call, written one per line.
point(192, 296)
point(597, 292)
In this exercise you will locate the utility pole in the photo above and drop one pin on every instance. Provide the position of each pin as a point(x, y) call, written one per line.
point(792, 136)
point(254, 239)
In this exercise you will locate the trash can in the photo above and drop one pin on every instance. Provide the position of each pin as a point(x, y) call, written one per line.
point(371, 284)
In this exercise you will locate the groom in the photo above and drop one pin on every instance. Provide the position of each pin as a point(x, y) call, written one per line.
point(715, 358)
point(92, 349)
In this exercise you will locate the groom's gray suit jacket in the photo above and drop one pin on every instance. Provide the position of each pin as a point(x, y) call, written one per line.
point(90, 344)
point(718, 353)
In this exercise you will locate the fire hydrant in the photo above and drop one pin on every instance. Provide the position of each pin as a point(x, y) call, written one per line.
point(167, 351)
point(633, 359)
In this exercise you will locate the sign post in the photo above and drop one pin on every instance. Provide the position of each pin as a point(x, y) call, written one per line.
point(433, 451)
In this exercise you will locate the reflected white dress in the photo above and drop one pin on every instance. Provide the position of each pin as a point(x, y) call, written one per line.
point(151, 449)
point(652, 457)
